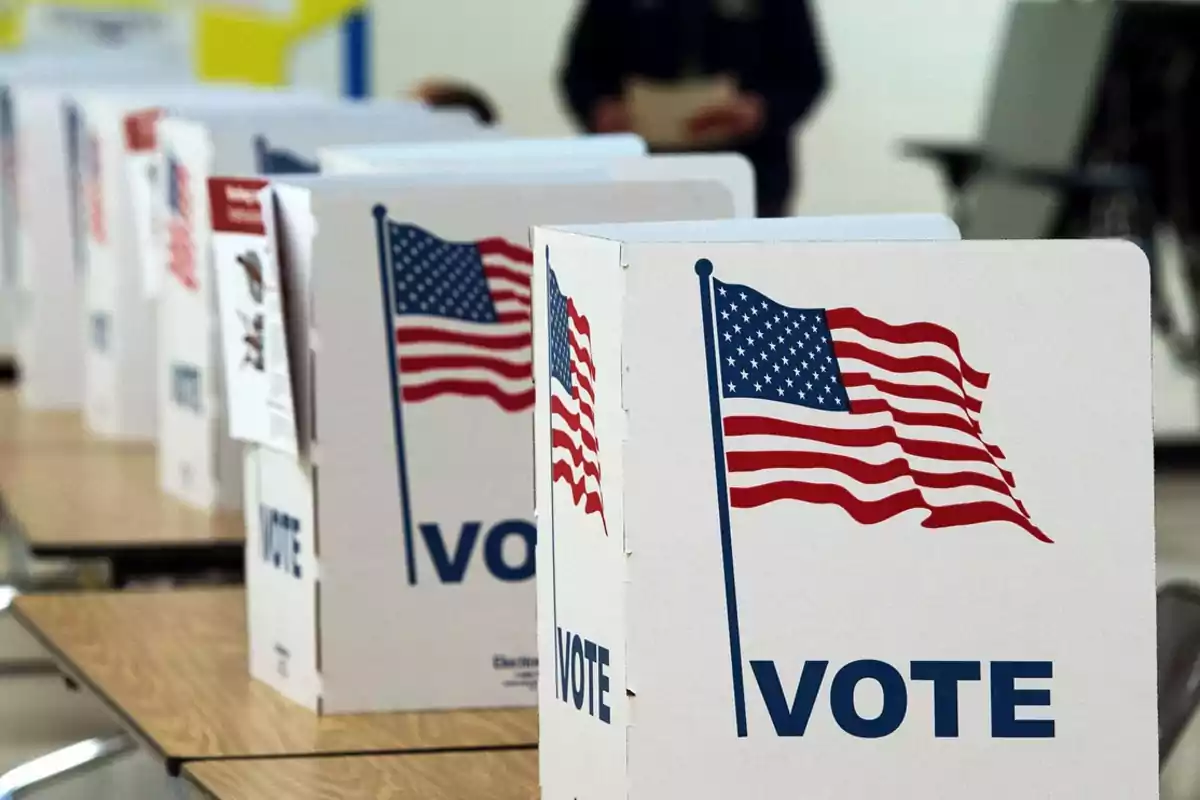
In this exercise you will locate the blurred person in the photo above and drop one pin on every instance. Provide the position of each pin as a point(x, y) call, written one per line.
point(447, 93)
point(769, 47)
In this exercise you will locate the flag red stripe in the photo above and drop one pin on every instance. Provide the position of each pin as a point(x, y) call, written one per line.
point(494, 272)
point(922, 419)
point(562, 471)
point(521, 401)
point(580, 353)
point(912, 333)
point(560, 438)
point(520, 370)
point(427, 335)
point(495, 246)
point(870, 512)
point(502, 295)
point(581, 323)
point(582, 380)
point(861, 471)
point(859, 437)
point(558, 409)
point(939, 366)
point(936, 394)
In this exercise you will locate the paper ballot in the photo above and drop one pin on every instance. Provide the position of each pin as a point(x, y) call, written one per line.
point(660, 111)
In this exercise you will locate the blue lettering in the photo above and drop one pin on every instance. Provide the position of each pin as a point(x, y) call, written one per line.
point(945, 676)
point(583, 671)
point(1006, 697)
point(493, 551)
point(589, 653)
point(895, 699)
point(451, 567)
point(792, 718)
point(185, 386)
point(563, 646)
point(602, 700)
point(280, 540)
point(789, 720)
point(577, 688)
point(100, 328)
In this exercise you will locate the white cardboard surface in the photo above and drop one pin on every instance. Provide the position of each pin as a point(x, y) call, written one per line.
point(32, 205)
point(199, 461)
point(121, 390)
point(476, 156)
point(696, 573)
point(449, 603)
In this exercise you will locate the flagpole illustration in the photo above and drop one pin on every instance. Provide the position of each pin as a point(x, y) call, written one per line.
point(550, 442)
point(386, 284)
point(704, 269)
point(260, 152)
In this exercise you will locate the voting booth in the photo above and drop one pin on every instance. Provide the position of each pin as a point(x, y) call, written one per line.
point(822, 515)
point(389, 513)
point(31, 136)
point(120, 390)
point(731, 170)
point(198, 462)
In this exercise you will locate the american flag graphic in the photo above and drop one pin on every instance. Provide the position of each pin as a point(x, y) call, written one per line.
point(575, 452)
point(181, 253)
point(95, 191)
point(460, 314)
point(834, 406)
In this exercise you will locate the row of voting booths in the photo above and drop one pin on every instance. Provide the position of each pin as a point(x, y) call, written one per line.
point(741, 505)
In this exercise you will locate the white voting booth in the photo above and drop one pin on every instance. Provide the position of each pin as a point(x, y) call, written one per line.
point(406, 372)
point(825, 519)
point(729, 169)
point(27, 133)
point(120, 395)
point(198, 462)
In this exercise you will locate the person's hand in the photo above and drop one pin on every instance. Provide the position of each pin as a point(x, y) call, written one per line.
point(740, 118)
point(610, 115)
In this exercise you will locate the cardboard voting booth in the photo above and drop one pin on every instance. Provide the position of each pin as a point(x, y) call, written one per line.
point(729, 169)
point(479, 156)
point(389, 503)
point(21, 131)
point(119, 353)
point(42, 240)
point(198, 462)
point(842, 519)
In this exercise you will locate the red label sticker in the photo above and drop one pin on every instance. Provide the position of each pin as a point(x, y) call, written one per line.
point(234, 205)
point(140, 130)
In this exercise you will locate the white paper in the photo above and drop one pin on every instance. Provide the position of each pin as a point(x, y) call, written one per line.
point(257, 377)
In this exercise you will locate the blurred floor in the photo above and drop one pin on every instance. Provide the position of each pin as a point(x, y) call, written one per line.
point(39, 714)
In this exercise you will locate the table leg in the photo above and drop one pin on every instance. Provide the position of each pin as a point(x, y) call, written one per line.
point(68, 761)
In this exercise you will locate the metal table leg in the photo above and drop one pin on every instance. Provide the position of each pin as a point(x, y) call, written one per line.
point(67, 762)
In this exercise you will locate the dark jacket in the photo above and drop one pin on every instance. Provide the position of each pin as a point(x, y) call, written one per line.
point(770, 46)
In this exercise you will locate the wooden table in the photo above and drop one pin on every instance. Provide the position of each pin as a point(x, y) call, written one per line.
point(173, 666)
point(23, 428)
point(104, 502)
point(492, 775)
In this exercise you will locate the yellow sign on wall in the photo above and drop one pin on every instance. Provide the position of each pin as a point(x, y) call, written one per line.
point(233, 43)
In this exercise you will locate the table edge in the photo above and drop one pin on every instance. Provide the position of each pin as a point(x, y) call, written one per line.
point(175, 762)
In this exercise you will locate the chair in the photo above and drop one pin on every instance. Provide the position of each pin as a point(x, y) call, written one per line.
point(1087, 134)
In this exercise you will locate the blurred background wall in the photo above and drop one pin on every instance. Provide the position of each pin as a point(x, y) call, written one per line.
point(899, 69)
point(915, 68)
